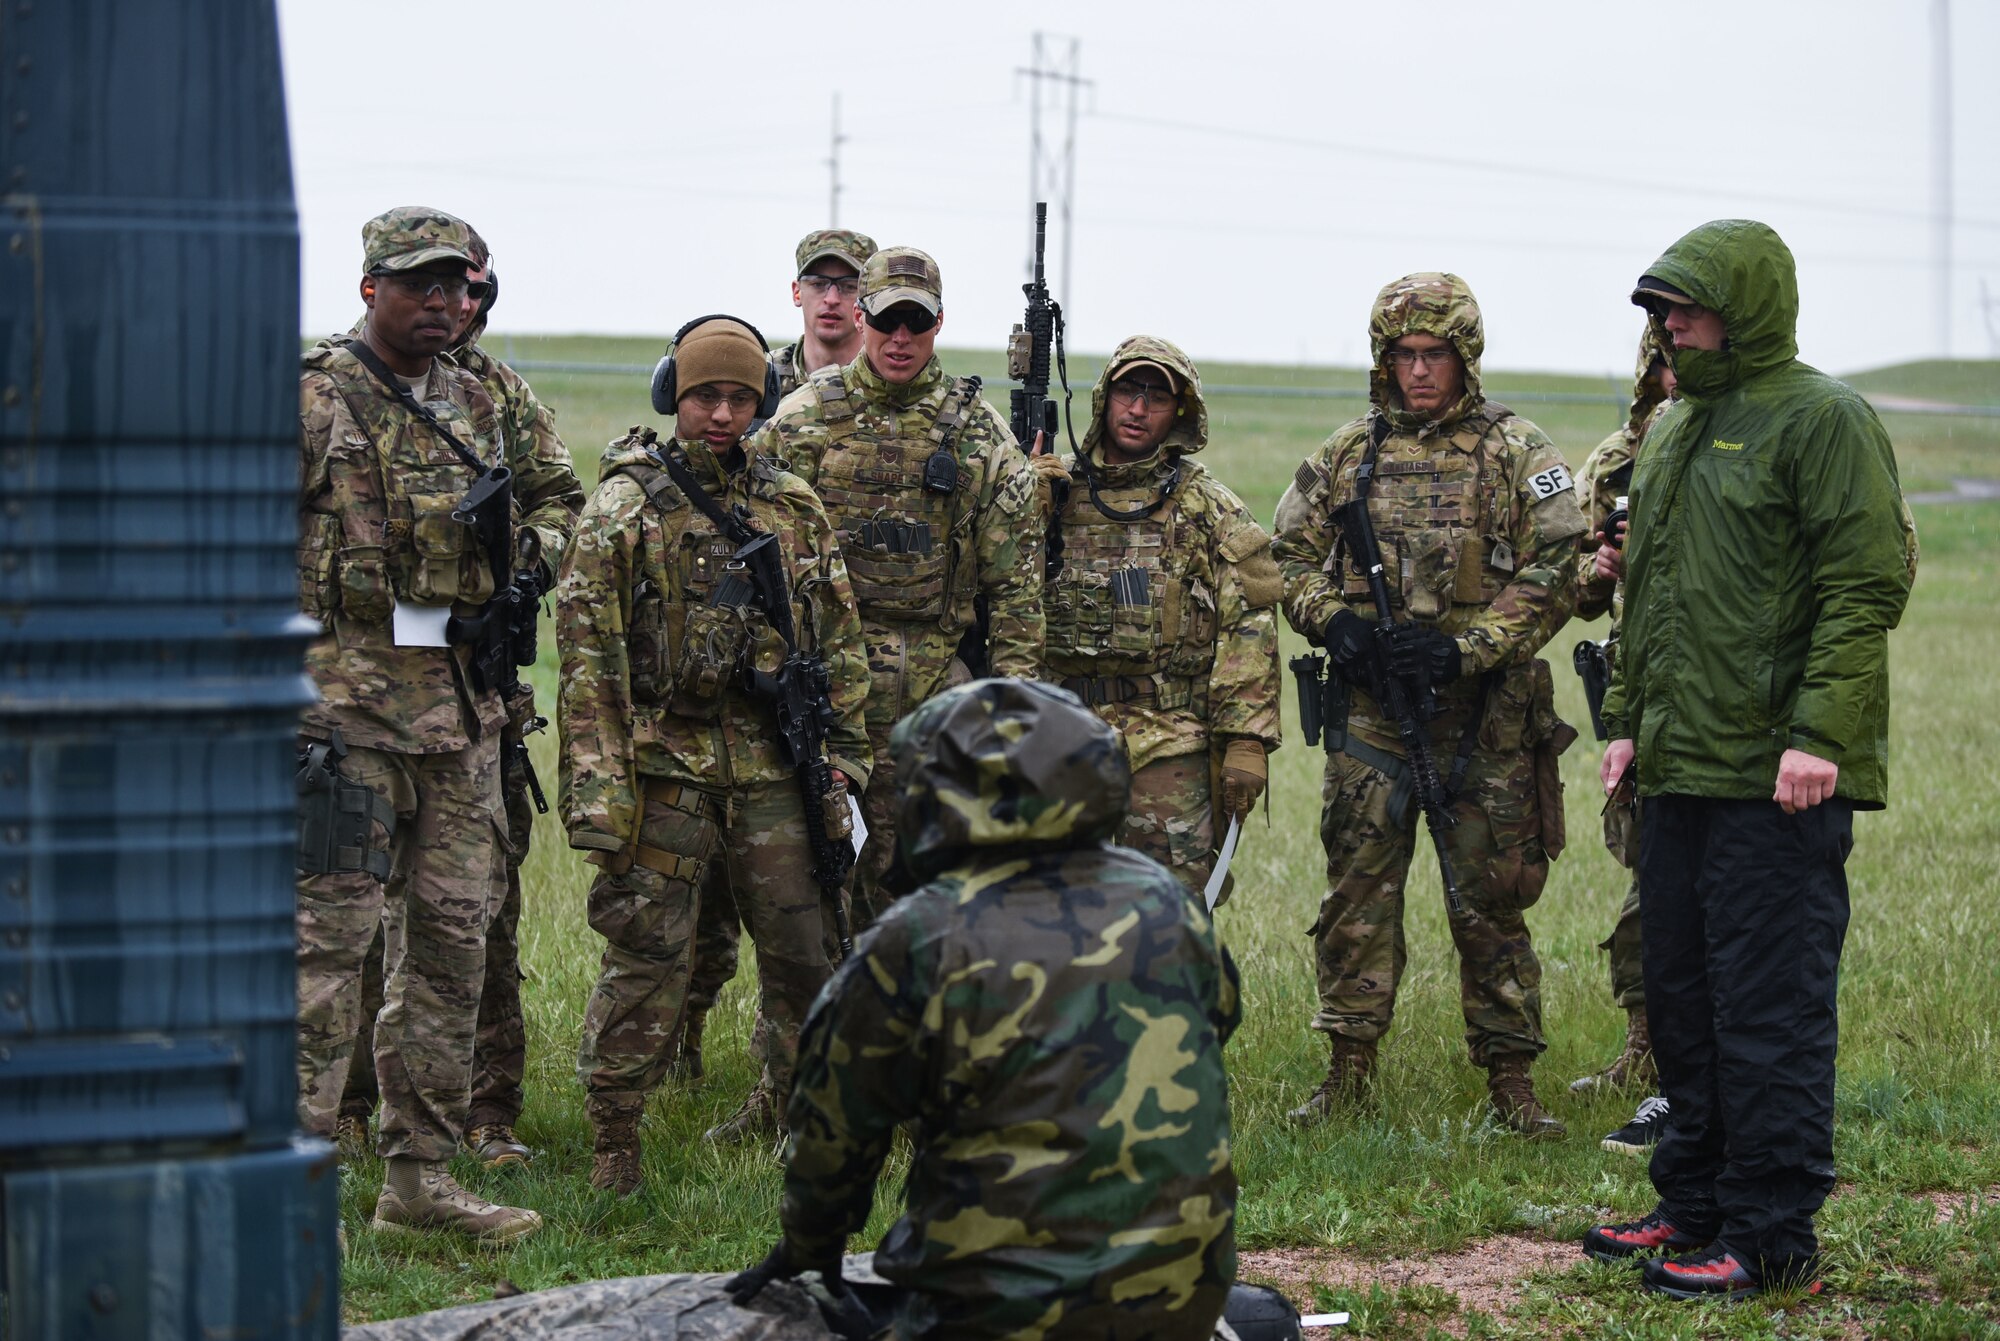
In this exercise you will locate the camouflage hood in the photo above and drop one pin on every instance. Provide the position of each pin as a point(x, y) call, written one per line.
point(1427, 303)
point(1004, 764)
point(1190, 431)
point(1743, 270)
point(1647, 393)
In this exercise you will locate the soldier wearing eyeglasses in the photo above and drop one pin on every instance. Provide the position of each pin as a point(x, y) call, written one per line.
point(674, 776)
point(392, 437)
point(1477, 519)
point(826, 291)
point(1163, 616)
point(935, 505)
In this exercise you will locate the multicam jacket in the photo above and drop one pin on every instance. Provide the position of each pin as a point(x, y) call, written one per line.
point(789, 362)
point(1050, 1012)
point(377, 486)
point(651, 662)
point(918, 553)
point(1606, 477)
point(1164, 618)
point(1475, 513)
point(547, 494)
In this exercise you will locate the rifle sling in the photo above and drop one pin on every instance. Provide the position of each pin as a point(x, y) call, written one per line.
point(370, 360)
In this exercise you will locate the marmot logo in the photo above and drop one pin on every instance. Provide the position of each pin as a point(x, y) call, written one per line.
point(1722, 446)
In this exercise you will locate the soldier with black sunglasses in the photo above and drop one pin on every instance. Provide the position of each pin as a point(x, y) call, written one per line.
point(935, 505)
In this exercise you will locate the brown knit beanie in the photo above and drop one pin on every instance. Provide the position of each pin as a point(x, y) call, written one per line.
point(719, 350)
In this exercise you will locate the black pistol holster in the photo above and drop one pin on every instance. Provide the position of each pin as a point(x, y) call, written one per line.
point(337, 816)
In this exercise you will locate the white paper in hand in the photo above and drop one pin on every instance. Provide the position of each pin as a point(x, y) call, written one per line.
point(1228, 854)
point(860, 824)
point(419, 625)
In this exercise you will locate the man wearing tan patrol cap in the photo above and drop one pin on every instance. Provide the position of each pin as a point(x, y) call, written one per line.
point(402, 753)
point(828, 283)
point(935, 505)
point(675, 778)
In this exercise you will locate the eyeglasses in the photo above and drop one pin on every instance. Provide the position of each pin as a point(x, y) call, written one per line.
point(908, 316)
point(421, 284)
point(819, 284)
point(710, 399)
point(1430, 358)
point(1149, 394)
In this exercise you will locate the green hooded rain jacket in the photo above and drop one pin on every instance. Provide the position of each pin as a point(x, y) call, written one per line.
point(1768, 556)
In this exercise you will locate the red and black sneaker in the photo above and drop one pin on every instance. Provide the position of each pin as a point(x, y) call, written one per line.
point(1715, 1274)
point(1638, 1238)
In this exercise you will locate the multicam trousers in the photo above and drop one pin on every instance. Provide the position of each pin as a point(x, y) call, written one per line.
point(500, 1041)
point(1171, 818)
point(445, 880)
point(1497, 855)
point(647, 917)
point(1621, 839)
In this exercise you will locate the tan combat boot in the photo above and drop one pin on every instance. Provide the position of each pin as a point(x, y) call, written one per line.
point(496, 1146)
point(1514, 1102)
point(420, 1194)
point(1349, 1081)
point(686, 1065)
point(757, 1119)
point(1633, 1066)
point(614, 1159)
point(350, 1137)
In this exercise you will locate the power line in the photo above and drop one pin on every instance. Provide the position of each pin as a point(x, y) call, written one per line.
point(1652, 187)
point(1053, 177)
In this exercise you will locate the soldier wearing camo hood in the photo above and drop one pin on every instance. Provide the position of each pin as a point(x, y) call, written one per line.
point(935, 505)
point(1047, 1013)
point(1163, 617)
point(548, 497)
point(391, 438)
point(1607, 478)
point(1478, 523)
point(673, 771)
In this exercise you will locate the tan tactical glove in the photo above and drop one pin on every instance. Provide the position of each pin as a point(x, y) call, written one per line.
point(1243, 775)
point(1048, 468)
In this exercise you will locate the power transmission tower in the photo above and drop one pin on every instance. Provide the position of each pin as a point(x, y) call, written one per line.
point(1054, 80)
point(1989, 308)
point(1941, 166)
point(833, 168)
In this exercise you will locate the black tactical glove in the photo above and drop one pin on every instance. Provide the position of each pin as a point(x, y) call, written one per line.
point(778, 1264)
point(1347, 646)
point(1422, 656)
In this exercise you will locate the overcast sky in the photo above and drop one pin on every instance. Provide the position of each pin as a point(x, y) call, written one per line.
point(1247, 174)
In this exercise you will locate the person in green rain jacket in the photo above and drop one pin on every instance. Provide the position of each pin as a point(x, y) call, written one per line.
point(1769, 556)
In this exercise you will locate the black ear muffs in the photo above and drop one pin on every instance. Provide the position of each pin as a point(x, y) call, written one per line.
point(666, 388)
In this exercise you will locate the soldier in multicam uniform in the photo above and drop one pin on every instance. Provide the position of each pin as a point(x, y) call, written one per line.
point(1163, 616)
point(828, 283)
point(546, 481)
point(829, 262)
point(1606, 480)
point(1478, 523)
point(1047, 1016)
point(388, 451)
point(935, 506)
point(672, 768)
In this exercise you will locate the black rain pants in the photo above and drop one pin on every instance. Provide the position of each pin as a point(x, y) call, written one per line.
point(1742, 923)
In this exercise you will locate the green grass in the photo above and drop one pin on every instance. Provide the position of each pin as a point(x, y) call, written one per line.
point(1919, 1086)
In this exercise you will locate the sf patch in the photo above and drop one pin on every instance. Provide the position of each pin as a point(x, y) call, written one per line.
point(1548, 483)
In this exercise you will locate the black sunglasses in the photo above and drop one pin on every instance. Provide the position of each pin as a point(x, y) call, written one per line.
point(908, 316)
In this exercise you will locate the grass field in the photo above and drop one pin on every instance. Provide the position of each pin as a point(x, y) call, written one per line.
point(1912, 1236)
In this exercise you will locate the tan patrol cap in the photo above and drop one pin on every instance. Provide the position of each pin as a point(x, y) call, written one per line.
point(1173, 378)
point(842, 244)
point(901, 275)
point(1651, 291)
